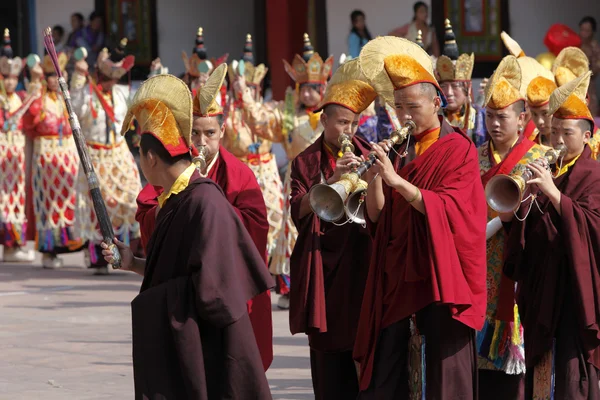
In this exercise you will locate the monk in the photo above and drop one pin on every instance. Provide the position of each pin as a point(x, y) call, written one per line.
point(241, 190)
point(426, 208)
point(554, 256)
point(192, 336)
point(500, 342)
point(329, 263)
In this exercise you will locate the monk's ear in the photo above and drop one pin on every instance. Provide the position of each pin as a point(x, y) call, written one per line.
point(437, 103)
point(324, 118)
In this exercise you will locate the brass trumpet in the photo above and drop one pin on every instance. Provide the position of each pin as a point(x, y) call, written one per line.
point(200, 159)
point(330, 202)
point(504, 193)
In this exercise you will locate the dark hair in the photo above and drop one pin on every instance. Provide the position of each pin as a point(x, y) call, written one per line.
point(79, 16)
point(59, 29)
point(220, 118)
point(95, 15)
point(151, 143)
point(584, 125)
point(353, 16)
point(519, 106)
point(591, 20)
point(416, 7)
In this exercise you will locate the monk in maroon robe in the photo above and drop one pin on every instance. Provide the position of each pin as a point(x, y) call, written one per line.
point(428, 214)
point(554, 255)
point(243, 192)
point(330, 261)
point(192, 336)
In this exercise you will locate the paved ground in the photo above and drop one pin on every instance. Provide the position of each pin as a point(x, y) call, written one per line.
point(66, 334)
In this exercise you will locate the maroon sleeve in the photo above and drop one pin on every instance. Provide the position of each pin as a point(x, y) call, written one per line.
point(145, 215)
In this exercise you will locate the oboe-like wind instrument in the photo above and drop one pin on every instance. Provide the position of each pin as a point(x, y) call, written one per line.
point(93, 183)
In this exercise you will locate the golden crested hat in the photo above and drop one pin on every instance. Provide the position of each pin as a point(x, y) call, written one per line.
point(310, 67)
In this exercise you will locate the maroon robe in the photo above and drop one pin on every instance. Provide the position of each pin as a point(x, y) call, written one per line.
point(328, 268)
point(423, 260)
point(243, 192)
point(192, 336)
point(555, 259)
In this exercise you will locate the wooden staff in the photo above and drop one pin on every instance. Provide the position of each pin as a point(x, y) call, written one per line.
point(99, 207)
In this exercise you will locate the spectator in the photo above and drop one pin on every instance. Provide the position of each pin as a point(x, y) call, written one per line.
point(591, 48)
point(419, 23)
point(58, 34)
point(76, 36)
point(359, 34)
point(94, 38)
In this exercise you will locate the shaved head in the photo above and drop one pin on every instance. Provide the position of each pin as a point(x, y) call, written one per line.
point(428, 89)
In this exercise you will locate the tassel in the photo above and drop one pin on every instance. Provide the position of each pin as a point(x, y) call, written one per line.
point(496, 340)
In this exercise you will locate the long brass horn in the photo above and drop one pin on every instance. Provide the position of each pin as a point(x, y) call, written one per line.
point(504, 193)
point(328, 202)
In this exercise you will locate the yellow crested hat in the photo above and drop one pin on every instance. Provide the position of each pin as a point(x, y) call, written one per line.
point(254, 74)
point(9, 65)
point(530, 67)
point(310, 67)
point(391, 63)
point(450, 66)
point(163, 108)
point(539, 90)
point(570, 63)
point(503, 88)
point(205, 102)
point(349, 88)
point(568, 100)
point(48, 67)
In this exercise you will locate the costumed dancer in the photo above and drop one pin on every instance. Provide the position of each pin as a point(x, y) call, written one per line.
point(426, 208)
point(330, 261)
point(101, 105)
point(500, 342)
point(198, 67)
point(454, 74)
point(55, 165)
point(296, 125)
point(239, 186)
point(13, 218)
point(248, 147)
point(192, 337)
point(553, 255)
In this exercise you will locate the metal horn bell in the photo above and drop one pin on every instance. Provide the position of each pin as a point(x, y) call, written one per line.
point(327, 201)
point(355, 204)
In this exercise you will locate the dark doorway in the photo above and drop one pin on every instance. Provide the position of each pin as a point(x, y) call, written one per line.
point(15, 15)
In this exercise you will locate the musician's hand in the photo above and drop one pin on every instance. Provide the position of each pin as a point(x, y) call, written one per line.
point(81, 67)
point(125, 251)
point(156, 65)
point(344, 165)
point(36, 73)
point(542, 178)
point(383, 166)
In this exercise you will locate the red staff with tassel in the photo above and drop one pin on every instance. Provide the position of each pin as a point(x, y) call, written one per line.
point(99, 207)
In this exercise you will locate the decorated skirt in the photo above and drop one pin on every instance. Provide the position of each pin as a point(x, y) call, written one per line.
point(264, 167)
point(120, 184)
point(54, 173)
point(13, 222)
point(280, 259)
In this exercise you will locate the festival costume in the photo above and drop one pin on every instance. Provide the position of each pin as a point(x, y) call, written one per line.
point(296, 128)
point(55, 167)
point(251, 149)
point(330, 262)
point(13, 218)
point(101, 116)
point(553, 256)
point(425, 268)
point(501, 360)
point(450, 67)
point(192, 337)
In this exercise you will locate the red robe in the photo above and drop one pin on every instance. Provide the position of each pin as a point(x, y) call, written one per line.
point(555, 260)
point(423, 259)
point(243, 192)
point(190, 321)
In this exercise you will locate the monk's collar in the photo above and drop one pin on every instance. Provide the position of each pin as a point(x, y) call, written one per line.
point(427, 134)
point(210, 166)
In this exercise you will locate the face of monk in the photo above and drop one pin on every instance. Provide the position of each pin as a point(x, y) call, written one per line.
point(503, 125)
point(573, 133)
point(541, 119)
point(10, 84)
point(206, 131)
point(456, 95)
point(420, 103)
point(52, 81)
point(338, 120)
point(309, 96)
